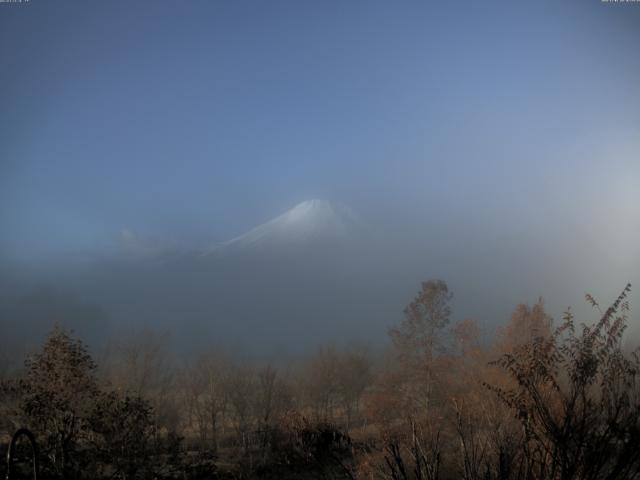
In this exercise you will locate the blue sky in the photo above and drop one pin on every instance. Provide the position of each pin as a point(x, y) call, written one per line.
point(194, 120)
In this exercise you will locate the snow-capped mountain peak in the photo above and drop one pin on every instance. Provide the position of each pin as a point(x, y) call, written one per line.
point(310, 220)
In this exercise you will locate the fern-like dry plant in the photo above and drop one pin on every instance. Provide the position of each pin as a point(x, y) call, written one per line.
point(576, 395)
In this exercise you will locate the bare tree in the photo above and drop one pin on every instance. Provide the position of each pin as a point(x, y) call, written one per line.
point(204, 387)
point(354, 376)
point(273, 396)
point(420, 333)
point(241, 388)
point(526, 324)
point(143, 367)
point(417, 341)
point(417, 457)
point(321, 384)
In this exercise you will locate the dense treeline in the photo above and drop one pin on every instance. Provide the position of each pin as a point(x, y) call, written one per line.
point(541, 401)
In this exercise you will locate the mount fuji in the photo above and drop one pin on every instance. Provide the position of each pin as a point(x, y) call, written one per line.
point(311, 221)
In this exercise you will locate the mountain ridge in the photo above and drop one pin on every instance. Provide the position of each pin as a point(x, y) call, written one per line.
point(309, 220)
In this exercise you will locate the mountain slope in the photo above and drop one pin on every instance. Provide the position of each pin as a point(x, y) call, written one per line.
point(308, 221)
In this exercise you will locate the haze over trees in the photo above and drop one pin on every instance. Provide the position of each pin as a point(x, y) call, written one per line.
point(537, 401)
